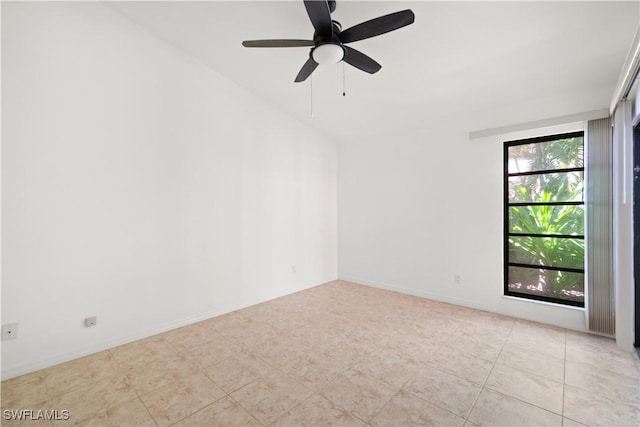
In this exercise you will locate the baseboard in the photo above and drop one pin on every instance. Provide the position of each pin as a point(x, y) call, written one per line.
point(49, 361)
point(416, 293)
point(449, 300)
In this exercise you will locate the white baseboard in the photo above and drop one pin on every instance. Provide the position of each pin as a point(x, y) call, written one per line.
point(48, 361)
point(456, 301)
point(416, 293)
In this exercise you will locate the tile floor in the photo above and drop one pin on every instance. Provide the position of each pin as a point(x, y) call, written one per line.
point(348, 355)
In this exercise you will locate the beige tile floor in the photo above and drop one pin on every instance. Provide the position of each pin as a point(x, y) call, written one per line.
point(348, 355)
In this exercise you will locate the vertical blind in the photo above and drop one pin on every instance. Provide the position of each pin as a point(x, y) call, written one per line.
point(599, 180)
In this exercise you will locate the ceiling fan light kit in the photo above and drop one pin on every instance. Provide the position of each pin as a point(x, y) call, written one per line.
point(329, 53)
point(328, 44)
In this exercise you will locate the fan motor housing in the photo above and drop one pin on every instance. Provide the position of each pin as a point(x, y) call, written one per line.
point(324, 38)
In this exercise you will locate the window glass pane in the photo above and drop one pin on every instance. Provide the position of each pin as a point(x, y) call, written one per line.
point(562, 219)
point(557, 154)
point(551, 187)
point(547, 283)
point(549, 251)
point(548, 186)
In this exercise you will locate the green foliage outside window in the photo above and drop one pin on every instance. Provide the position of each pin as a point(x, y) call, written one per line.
point(548, 220)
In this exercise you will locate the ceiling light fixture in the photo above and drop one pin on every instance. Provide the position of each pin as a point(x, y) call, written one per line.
point(330, 42)
point(329, 53)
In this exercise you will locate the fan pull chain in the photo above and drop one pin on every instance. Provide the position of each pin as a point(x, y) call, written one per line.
point(344, 92)
point(311, 98)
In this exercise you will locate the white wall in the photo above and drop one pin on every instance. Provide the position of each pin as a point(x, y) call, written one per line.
point(143, 188)
point(415, 210)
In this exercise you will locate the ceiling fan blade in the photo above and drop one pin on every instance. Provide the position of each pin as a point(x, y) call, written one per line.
point(320, 16)
point(306, 70)
point(360, 60)
point(277, 43)
point(377, 26)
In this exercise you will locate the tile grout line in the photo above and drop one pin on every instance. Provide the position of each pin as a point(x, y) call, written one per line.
point(178, 351)
point(513, 397)
point(257, 379)
point(520, 399)
point(313, 392)
point(146, 408)
point(401, 388)
point(73, 390)
point(489, 374)
point(227, 394)
point(133, 388)
point(523, 401)
point(422, 365)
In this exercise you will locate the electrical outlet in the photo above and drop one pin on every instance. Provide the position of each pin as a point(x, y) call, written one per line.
point(90, 321)
point(456, 279)
point(9, 331)
point(293, 268)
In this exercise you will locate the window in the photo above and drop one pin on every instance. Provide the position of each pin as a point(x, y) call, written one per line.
point(544, 218)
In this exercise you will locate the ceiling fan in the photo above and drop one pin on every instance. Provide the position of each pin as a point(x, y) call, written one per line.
point(328, 44)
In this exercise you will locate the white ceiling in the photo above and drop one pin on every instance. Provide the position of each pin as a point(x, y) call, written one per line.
point(495, 63)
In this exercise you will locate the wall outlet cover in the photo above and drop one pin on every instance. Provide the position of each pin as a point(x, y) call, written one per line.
point(90, 321)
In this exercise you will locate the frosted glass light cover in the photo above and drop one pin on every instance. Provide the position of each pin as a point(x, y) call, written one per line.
point(328, 54)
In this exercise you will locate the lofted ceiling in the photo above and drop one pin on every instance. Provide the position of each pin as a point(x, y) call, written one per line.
point(493, 63)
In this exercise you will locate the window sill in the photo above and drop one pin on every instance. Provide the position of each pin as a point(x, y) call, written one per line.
point(553, 304)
